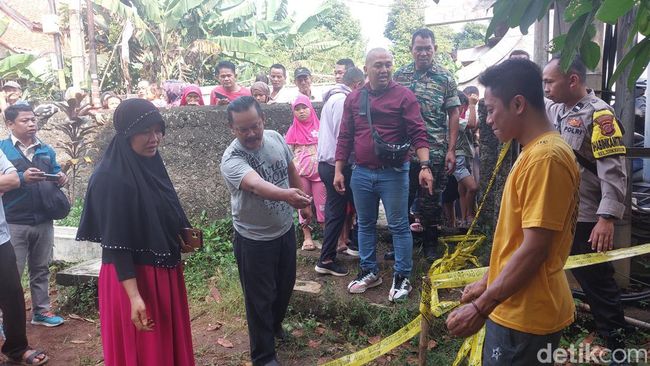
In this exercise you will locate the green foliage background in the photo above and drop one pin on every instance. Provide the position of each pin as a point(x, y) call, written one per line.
point(407, 16)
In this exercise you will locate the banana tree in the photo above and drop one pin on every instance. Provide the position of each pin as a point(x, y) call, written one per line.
point(581, 14)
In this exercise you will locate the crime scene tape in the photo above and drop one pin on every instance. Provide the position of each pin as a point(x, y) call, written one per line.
point(448, 262)
point(445, 273)
point(473, 344)
point(385, 345)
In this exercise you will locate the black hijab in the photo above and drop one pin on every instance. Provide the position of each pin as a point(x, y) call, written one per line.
point(131, 203)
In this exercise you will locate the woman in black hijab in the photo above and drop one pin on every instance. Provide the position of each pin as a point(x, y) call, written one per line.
point(132, 209)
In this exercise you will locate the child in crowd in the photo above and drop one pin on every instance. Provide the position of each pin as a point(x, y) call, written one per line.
point(467, 186)
point(155, 96)
point(302, 138)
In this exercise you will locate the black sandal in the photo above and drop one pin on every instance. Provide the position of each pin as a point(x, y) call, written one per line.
point(31, 359)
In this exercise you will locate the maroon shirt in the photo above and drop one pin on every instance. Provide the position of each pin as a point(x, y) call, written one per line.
point(395, 116)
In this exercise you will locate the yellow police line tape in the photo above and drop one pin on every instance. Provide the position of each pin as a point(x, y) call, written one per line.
point(447, 263)
point(472, 345)
point(444, 273)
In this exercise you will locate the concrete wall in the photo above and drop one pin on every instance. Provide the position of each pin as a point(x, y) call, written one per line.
point(66, 248)
point(195, 139)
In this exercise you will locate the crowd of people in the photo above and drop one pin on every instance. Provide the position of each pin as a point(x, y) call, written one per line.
point(407, 139)
point(267, 89)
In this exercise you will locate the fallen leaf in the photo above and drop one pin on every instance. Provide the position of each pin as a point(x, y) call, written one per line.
point(374, 340)
point(297, 333)
point(314, 344)
point(76, 341)
point(320, 330)
point(412, 360)
point(225, 343)
point(215, 294)
point(432, 344)
point(214, 327)
point(75, 316)
point(89, 320)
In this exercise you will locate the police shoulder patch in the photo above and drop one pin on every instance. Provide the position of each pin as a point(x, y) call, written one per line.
point(607, 136)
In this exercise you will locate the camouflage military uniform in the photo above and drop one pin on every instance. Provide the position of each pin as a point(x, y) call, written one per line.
point(436, 92)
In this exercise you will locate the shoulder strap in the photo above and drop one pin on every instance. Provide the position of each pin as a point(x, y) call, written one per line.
point(29, 162)
point(586, 163)
point(364, 106)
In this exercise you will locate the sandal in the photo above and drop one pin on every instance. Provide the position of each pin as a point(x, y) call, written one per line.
point(416, 226)
point(31, 360)
point(308, 245)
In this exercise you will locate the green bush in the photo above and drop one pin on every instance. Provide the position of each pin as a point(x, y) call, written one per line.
point(74, 216)
point(216, 253)
point(81, 299)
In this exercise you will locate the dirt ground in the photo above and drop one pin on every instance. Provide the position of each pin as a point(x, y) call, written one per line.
point(78, 342)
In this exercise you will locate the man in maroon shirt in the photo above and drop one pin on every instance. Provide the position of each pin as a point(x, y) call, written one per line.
point(396, 117)
point(229, 90)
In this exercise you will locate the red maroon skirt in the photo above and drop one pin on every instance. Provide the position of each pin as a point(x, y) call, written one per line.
point(164, 295)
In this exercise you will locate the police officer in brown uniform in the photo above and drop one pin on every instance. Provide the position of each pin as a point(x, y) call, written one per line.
point(590, 127)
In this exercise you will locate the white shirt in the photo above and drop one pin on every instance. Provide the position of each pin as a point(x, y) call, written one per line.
point(28, 151)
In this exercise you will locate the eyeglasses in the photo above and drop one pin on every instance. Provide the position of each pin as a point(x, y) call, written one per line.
point(255, 128)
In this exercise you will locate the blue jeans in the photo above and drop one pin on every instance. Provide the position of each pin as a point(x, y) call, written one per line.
point(391, 185)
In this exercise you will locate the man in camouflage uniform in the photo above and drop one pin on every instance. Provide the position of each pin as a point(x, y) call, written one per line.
point(436, 92)
point(590, 127)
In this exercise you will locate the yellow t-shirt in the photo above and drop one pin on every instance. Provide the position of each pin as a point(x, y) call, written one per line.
point(541, 192)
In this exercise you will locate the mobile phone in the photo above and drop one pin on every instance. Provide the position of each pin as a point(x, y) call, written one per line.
point(220, 96)
point(51, 177)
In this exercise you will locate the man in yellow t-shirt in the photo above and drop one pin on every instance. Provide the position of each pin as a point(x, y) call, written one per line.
point(524, 299)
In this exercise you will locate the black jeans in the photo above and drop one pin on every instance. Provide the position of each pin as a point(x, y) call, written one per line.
point(602, 292)
point(429, 206)
point(335, 209)
point(12, 303)
point(267, 271)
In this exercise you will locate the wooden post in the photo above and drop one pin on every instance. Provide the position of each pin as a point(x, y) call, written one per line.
point(625, 111)
point(540, 54)
point(77, 45)
point(92, 56)
point(57, 50)
point(424, 330)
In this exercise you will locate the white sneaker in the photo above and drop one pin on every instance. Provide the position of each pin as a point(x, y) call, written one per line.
point(364, 281)
point(400, 289)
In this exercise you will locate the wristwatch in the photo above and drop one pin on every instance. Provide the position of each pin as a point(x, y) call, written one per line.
point(425, 164)
point(608, 217)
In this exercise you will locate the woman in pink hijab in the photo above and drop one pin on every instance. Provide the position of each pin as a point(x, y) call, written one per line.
point(191, 96)
point(302, 138)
